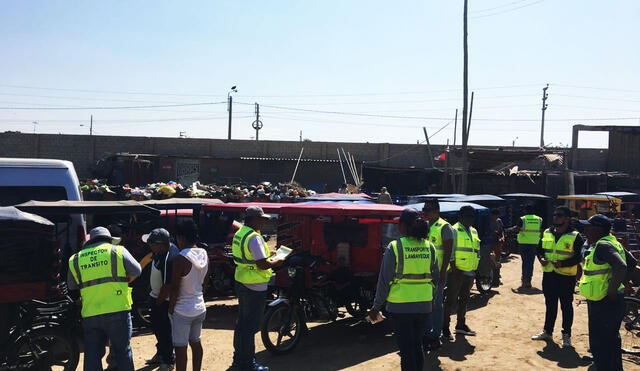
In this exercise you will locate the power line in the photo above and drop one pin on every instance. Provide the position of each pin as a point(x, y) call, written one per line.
point(87, 99)
point(597, 88)
point(108, 108)
point(598, 98)
point(498, 7)
point(507, 10)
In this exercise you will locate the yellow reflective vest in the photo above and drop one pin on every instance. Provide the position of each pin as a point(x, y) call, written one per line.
point(100, 274)
point(530, 232)
point(594, 283)
point(558, 251)
point(467, 249)
point(412, 281)
point(435, 237)
point(247, 271)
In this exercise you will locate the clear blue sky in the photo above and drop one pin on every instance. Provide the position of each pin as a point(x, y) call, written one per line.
point(400, 59)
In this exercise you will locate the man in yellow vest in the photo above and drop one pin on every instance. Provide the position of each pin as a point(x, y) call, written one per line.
point(101, 270)
point(529, 227)
point(466, 257)
point(559, 253)
point(606, 265)
point(253, 273)
point(441, 235)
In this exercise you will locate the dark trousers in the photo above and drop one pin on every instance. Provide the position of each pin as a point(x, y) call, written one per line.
point(605, 317)
point(409, 329)
point(161, 326)
point(457, 296)
point(250, 312)
point(557, 287)
point(528, 257)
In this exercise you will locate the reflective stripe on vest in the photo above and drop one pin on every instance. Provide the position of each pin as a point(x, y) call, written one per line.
point(594, 284)
point(102, 279)
point(247, 271)
point(467, 248)
point(530, 231)
point(558, 251)
point(435, 237)
point(412, 280)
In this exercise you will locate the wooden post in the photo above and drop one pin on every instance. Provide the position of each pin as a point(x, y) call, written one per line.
point(297, 163)
point(426, 137)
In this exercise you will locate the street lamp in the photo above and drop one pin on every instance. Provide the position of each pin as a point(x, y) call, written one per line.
point(230, 107)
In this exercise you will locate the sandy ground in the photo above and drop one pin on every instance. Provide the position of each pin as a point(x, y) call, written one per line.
point(504, 320)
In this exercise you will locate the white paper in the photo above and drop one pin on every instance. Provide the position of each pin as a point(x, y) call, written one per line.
point(282, 252)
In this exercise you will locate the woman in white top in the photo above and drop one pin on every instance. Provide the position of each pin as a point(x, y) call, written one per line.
point(187, 309)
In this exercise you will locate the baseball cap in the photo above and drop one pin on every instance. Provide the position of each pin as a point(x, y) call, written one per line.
point(598, 220)
point(158, 235)
point(255, 211)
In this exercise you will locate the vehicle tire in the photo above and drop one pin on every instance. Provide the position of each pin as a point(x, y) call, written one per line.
point(279, 322)
point(630, 327)
point(484, 281)
point(56, 348)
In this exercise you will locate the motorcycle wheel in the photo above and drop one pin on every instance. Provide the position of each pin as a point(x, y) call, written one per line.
point(282, 329)
point(47, 348)
point(141, 313)
point(484, 282)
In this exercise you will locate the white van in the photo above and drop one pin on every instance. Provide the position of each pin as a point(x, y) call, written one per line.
point(26, 179)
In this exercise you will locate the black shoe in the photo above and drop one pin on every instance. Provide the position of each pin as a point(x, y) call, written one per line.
point(465, 330)
point(432, 345)
point(259, 367)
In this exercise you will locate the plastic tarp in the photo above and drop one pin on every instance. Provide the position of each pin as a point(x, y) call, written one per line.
point(11, 216)
point(473, 198)
point(525, 195)
point(180, 203)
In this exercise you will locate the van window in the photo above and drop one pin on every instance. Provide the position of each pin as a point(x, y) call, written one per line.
point(15, 195)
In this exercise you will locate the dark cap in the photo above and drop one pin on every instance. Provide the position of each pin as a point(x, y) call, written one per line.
point(158, 235)
point(598, 220)
point(255, 211)
point(409, 215)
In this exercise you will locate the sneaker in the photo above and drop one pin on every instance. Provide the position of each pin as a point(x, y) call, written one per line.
point(155, 360)
point(446, 335)
point(541, 336)
point(465, 330)
point(566, 341)
point(432, 345)
point(259, 367)
point(165, 367)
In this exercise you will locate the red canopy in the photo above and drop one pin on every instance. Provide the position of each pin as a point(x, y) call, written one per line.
point(366, 210)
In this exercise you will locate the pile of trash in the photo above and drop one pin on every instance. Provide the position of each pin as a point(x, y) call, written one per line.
point(95, 190)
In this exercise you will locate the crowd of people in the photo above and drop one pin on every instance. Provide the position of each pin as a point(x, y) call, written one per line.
point(429, 256)
point(411, 284)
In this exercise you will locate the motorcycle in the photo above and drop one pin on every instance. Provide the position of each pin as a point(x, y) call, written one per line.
point(43, 337)
point(488, 272)
point(222, 270)
point(312, 296)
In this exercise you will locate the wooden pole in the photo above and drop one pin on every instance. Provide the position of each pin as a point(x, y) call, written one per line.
point(344, 177)
point(465, 102)
point(426, 136)
point(348, 164)
point(297, 164)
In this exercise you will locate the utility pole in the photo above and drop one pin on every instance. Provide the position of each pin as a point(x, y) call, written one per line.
point(257, 124)
point(91, 126)
point(230, 107)
point(465, 102)
point(544, 108)
point(426, 137)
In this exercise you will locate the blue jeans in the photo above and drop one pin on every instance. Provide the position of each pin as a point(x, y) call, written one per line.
point(115, 327)
point(250, 312)
point(528, 256)
point(434, 322)
point(605, 317)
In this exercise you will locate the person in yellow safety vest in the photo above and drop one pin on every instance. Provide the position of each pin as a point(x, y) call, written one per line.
point(441, 235)
point(466, 257)
point(253, 273)
point(606, 266)
point(100, 272)
point(529, 227)
point(559, 253)
point(408, 278)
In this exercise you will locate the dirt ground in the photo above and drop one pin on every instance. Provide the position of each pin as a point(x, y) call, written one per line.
point(504, 320)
